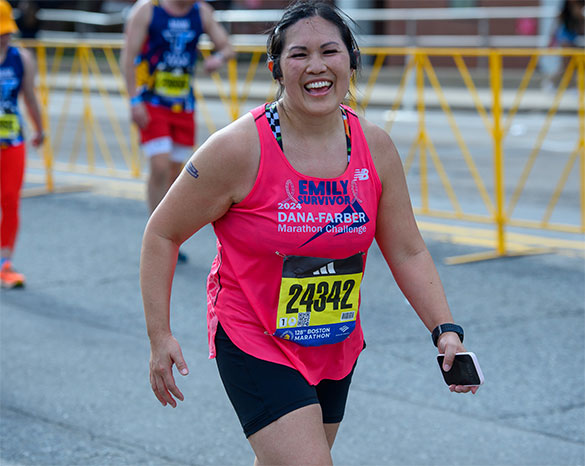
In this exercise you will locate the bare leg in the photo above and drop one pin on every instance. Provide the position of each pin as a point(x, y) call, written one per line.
point(174, 171)
point(163, 172)
point(298, 437)
point(157, 179)
point(331, 433)
point(6, 253)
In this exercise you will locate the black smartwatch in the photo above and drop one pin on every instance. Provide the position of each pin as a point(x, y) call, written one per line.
point(440, 329)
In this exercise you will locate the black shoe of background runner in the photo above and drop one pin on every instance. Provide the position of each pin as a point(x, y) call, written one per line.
point(182, 258)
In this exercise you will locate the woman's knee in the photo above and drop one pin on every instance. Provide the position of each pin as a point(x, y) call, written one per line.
point(159, 169)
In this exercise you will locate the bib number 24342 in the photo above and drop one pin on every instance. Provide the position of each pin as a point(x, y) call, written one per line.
point(319, 299)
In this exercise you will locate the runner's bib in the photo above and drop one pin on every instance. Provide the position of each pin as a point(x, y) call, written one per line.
point(9, 126)
point(319, 299)
point(172, 85)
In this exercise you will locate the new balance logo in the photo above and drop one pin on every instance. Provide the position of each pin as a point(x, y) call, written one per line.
point(325, 270)
point(361, 174)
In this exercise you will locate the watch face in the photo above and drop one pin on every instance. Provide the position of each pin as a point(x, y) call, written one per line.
point(463, 371)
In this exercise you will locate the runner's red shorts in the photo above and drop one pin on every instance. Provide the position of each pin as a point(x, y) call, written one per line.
point(179, 126)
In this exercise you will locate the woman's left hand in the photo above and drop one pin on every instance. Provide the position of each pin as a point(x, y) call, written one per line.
point(449, 344)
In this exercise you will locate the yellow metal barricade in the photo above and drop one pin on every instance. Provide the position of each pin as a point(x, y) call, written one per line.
point(84, 109)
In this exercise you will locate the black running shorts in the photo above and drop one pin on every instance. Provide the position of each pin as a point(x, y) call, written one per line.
point(262, 391)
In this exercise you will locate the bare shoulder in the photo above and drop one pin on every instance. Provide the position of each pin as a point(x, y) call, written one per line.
point(206, 12)
point(28, 61)
point(233, 154)
point(381, 147)
point(26, 56)
point(237, 141)
point(140, 7)
point(140, 12)
point(205, 8)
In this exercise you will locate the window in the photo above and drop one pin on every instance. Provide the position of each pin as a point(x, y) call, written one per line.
point(462, 3)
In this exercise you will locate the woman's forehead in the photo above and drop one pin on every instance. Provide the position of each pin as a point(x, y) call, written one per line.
point(311, 29)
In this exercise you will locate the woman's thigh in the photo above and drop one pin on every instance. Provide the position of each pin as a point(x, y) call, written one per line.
point(296, 438)
point(260, 391)
point(283, 416)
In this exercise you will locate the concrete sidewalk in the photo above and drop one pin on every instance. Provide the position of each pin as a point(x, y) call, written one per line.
point(74, 357)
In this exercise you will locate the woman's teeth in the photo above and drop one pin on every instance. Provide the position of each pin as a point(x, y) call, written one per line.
point(318, 85)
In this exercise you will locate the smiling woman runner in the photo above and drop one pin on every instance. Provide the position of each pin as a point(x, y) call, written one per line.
point(296, 191)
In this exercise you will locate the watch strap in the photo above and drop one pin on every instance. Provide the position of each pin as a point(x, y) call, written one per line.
point(440, 329)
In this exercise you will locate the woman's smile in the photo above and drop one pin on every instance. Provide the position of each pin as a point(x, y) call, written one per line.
point(318, 87)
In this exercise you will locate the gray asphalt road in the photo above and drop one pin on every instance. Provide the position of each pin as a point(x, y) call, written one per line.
point(74, 357)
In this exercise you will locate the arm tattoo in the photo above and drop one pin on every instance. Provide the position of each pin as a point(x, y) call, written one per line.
point(192, 170)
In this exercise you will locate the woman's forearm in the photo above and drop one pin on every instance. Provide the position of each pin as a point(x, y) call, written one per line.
point(157, 267)
point(420, 283)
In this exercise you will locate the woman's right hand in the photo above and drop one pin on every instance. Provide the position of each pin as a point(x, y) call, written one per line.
point(163, 354)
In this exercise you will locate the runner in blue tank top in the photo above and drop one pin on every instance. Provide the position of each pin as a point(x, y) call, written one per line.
point(17, 72)
point(158, 61)
point(166, 63)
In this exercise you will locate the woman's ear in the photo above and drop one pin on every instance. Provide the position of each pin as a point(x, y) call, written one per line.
point(354, 59)
point(274, 67)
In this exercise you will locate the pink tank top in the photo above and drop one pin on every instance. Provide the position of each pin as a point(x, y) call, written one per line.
point(290, 257)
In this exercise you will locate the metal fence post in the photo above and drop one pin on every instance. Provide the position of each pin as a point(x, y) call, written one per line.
point(422, 134)
point(44, 94)
point(581, 87)
point(495, 59)
point(232, 68)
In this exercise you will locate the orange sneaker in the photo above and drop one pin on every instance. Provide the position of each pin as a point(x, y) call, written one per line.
point(9, 278)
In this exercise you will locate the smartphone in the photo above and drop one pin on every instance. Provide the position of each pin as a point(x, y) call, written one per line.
point(465, 370)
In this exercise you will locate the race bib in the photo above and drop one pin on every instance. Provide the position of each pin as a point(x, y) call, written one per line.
point(319, 299)
point(9, 126)
point(172, 85)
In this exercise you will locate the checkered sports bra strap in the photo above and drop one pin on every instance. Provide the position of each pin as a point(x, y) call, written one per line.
point(274, 122)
